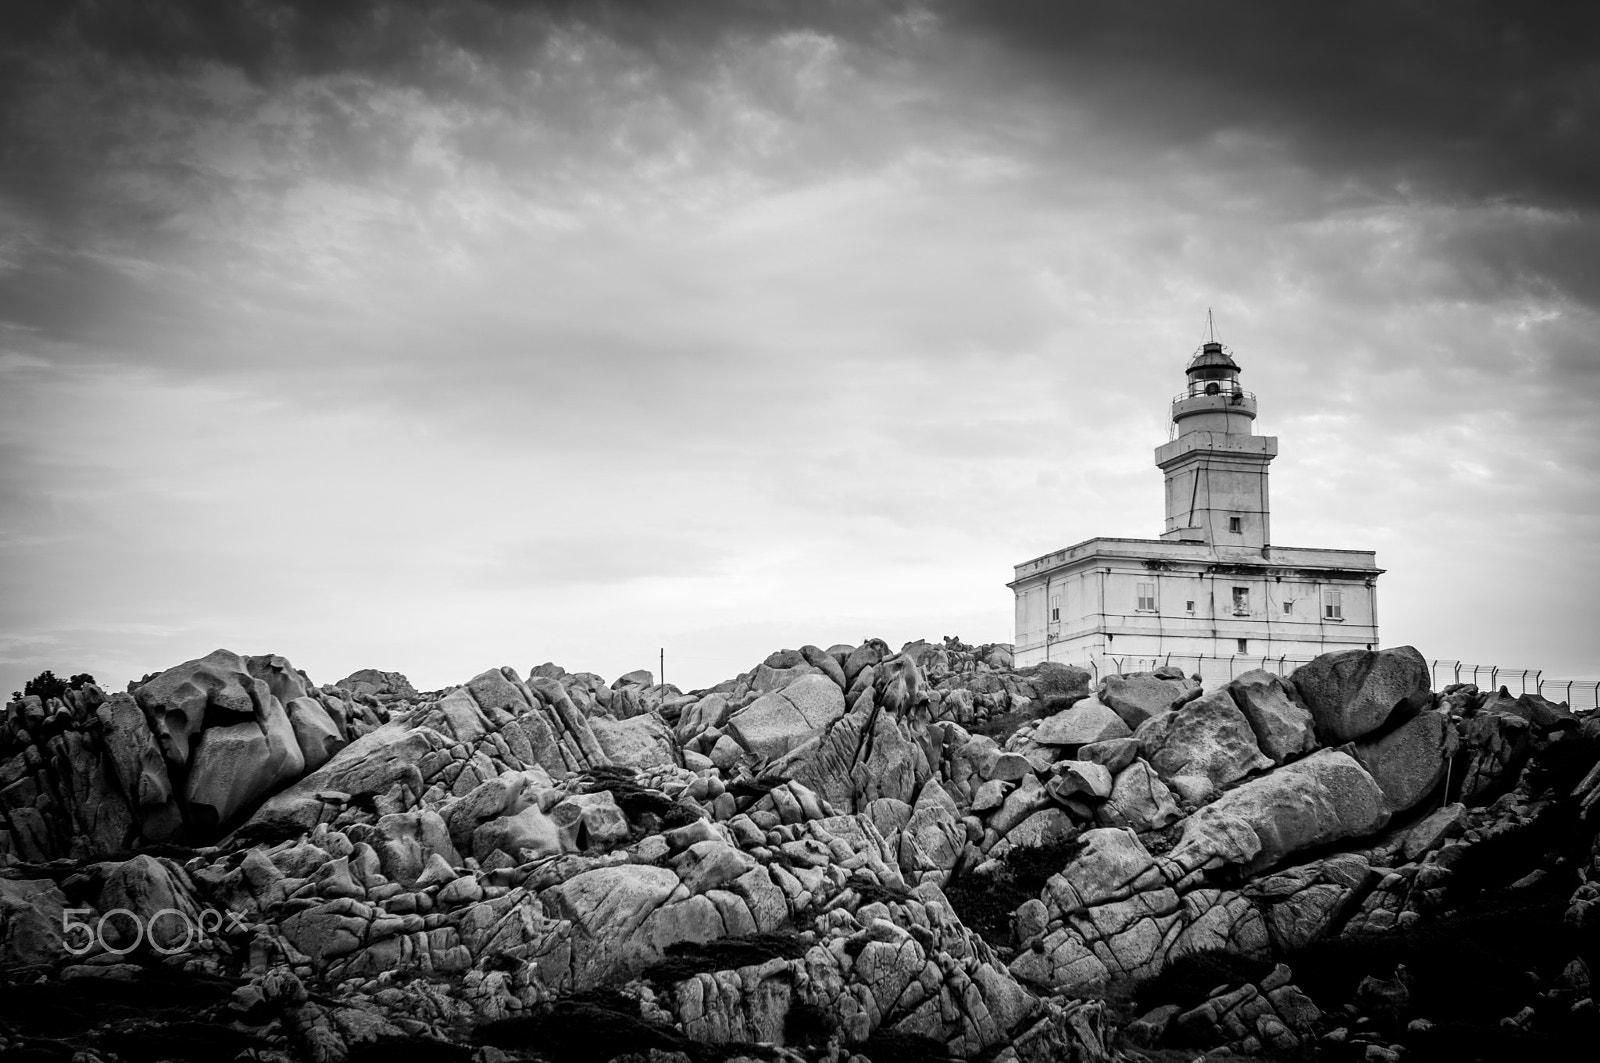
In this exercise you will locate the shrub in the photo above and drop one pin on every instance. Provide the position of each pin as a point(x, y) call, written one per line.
point(591, 1027)
point(636, 801)
point(895, 1046)
point(47, 685)
point(1480, 954)
point(986, 903)
point(1189, 979)
point(809, 1025)
point(871, 891)
point(1001, 726)
point(686, 959)
point(408, 1050)
point(1030, 866)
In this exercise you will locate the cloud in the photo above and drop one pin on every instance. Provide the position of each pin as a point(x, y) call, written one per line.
point(1478, 99)
point(441, 336)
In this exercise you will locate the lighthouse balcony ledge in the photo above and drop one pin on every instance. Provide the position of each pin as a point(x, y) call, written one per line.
point(1226, 400)
point(1218, 445)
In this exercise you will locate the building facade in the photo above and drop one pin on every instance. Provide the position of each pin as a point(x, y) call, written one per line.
point(1213, 584)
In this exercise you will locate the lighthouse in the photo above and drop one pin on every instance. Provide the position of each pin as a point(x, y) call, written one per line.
point(1214, 584)
point(1216, 467)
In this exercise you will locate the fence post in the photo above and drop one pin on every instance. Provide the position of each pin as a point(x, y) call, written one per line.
point(1494, 677)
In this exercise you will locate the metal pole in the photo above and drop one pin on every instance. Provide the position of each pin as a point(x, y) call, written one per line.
point(663, 666)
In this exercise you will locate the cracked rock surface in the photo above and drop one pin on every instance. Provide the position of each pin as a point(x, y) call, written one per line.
point(847, 853)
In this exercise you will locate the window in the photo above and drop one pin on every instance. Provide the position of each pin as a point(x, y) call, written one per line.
point(1332, 605)
point(1055, 608)
point(1189, 605)
point(1147, 597)
point(1288, 607)
point(1236, 524)
point(1244, 645)
point(1241, 601)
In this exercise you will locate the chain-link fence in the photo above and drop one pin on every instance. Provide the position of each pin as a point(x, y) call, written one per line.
point(1581, 695)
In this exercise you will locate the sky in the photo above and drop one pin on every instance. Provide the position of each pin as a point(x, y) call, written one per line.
point(436, 337)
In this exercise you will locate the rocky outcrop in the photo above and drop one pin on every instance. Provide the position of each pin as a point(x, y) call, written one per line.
point(1203, 747)
point(1352, 692)
point(821, 855)
point(1322, 798)
point(1409, 761)
point(776, 723)
point(1142, 695)
point(371, 681)
point(1283, 727)
point(1270, 1016)
point(31, 922)
point(1087, 721)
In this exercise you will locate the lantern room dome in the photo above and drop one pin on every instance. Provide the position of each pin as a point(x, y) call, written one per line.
point(1211, 362)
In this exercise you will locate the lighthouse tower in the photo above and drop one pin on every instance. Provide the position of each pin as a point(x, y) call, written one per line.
point(1216, 468)
point(1214, 585)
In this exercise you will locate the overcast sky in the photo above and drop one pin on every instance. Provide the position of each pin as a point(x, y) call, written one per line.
point(442, 336)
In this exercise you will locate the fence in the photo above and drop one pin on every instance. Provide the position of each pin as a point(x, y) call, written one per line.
point(1581, 695)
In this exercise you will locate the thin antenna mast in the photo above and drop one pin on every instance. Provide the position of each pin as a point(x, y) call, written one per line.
point(1211, 326)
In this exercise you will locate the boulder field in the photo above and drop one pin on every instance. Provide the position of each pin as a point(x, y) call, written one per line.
point(847, 854)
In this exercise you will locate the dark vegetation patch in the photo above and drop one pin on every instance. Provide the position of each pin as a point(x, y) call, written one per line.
point(408, 1050)
point(1463, 964)
point(591, 1027)
point(809, 1025)
point(987, 902)
point(48, 685)
point(597, 1026)
point(67, 1009)
point(201, 1042)
point(1002, 725)
point(895, 1046)
point(756, 786)
point(685, 959)
point(1563, 763)
point(1189, 980)
point(642, 805)
point(267, 831)
point(872, 892)
point(1554, 837)
point(1489, 1041)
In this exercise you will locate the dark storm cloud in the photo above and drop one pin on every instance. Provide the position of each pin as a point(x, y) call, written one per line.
point(1473, 99)
point(387, 38)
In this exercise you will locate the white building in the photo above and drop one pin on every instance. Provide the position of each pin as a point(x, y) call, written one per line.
point(1213, 584)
